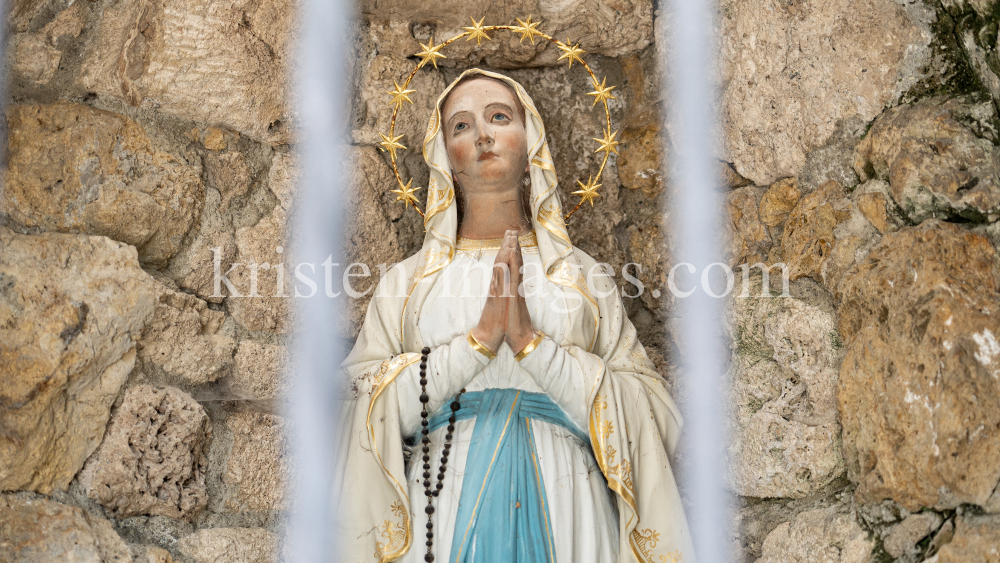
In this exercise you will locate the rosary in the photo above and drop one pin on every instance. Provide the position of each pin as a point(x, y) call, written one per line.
point(425, 441)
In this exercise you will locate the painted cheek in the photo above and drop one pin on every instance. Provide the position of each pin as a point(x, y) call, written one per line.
point(459, 154)
point(512, 141)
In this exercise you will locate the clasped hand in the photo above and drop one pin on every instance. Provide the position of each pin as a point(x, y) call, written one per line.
point(505, 316)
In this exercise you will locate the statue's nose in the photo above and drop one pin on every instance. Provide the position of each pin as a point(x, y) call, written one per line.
point(485, 137)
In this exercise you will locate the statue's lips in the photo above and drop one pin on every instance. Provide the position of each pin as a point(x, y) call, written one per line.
point(487, 155)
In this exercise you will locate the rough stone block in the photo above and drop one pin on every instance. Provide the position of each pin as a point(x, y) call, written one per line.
point(808, 238)
point(33, 59)
point(373, 112)
point(791, 72)
point(778, 201)
point(609, 28)
point(748, 240)
point(785, 433)
point(183, 340)
point(828, 535)
point(261, 370)
point(72, 168)
point(71, 309)
point(918, 392)
point(262, 281)
point(231, 545)
point(977, 539)
point(257, 469)
point(903, 537)
point(153, 458)
point(221, 63)
point(37, 530)
point(937, 159)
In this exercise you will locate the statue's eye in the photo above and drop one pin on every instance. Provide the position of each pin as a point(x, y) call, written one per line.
point(501, 117)
point(460, 127)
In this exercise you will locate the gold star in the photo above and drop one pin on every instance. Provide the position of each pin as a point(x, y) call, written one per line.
point(527, 29)
point(430, 54)
point(391, 144)
point(405, 194)
point(601, 92)
point(476, 31)
point(399, 94)
point(588, 192)
point(608, 143)
point(571, 52)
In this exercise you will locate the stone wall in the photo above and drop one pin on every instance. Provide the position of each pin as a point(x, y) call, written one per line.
point(141, 405)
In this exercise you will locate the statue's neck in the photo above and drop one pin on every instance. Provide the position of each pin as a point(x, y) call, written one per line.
point(491, 215)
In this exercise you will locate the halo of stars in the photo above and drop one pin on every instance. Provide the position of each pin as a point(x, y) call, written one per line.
point(527, 29)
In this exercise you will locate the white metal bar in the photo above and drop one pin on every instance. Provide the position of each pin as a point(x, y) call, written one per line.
point(321, 109)
point(697, 205)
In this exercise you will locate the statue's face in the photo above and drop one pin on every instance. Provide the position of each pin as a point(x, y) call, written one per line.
point(485, 136)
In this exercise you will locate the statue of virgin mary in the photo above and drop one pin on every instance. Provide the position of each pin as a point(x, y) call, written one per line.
point(560, 447)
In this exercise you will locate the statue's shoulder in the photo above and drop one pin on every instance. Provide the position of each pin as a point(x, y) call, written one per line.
point(397, 275)
point(411, 262)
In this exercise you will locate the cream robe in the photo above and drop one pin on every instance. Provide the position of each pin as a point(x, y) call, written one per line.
point(585, 524)
point(591, 364)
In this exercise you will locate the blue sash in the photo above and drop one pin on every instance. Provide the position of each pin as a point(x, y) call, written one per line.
point(502, 513)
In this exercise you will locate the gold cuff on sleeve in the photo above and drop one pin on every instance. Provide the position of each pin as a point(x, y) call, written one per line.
point(531, 346)
point(480, 347)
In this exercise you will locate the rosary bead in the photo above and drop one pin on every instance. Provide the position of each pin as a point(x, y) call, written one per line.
point(427, 458)
point(427, 474)
point(440, 486)
point(444, 459)
point(428, 491)
point(430, 535)
point(451, 428)
point(447, 446)
point(447, 436)
point(425, 449)
point(426, 350)
point(425, 440)
point(440, 476)
point(435, 493)
point(424, 398)
point(423, 381)
point(429, 543)
point(429, 509)
point(455, 406)
point(452, 419)
point(427, 466)
point(428, 558)
point(430, 525)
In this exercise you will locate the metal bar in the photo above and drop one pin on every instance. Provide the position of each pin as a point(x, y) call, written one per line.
point(317, 232)
point(696, 205)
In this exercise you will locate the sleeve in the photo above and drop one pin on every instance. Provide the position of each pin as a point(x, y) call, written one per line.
point(377, 359)
point(572, 376)
point(449, 368)
point(559, 371)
